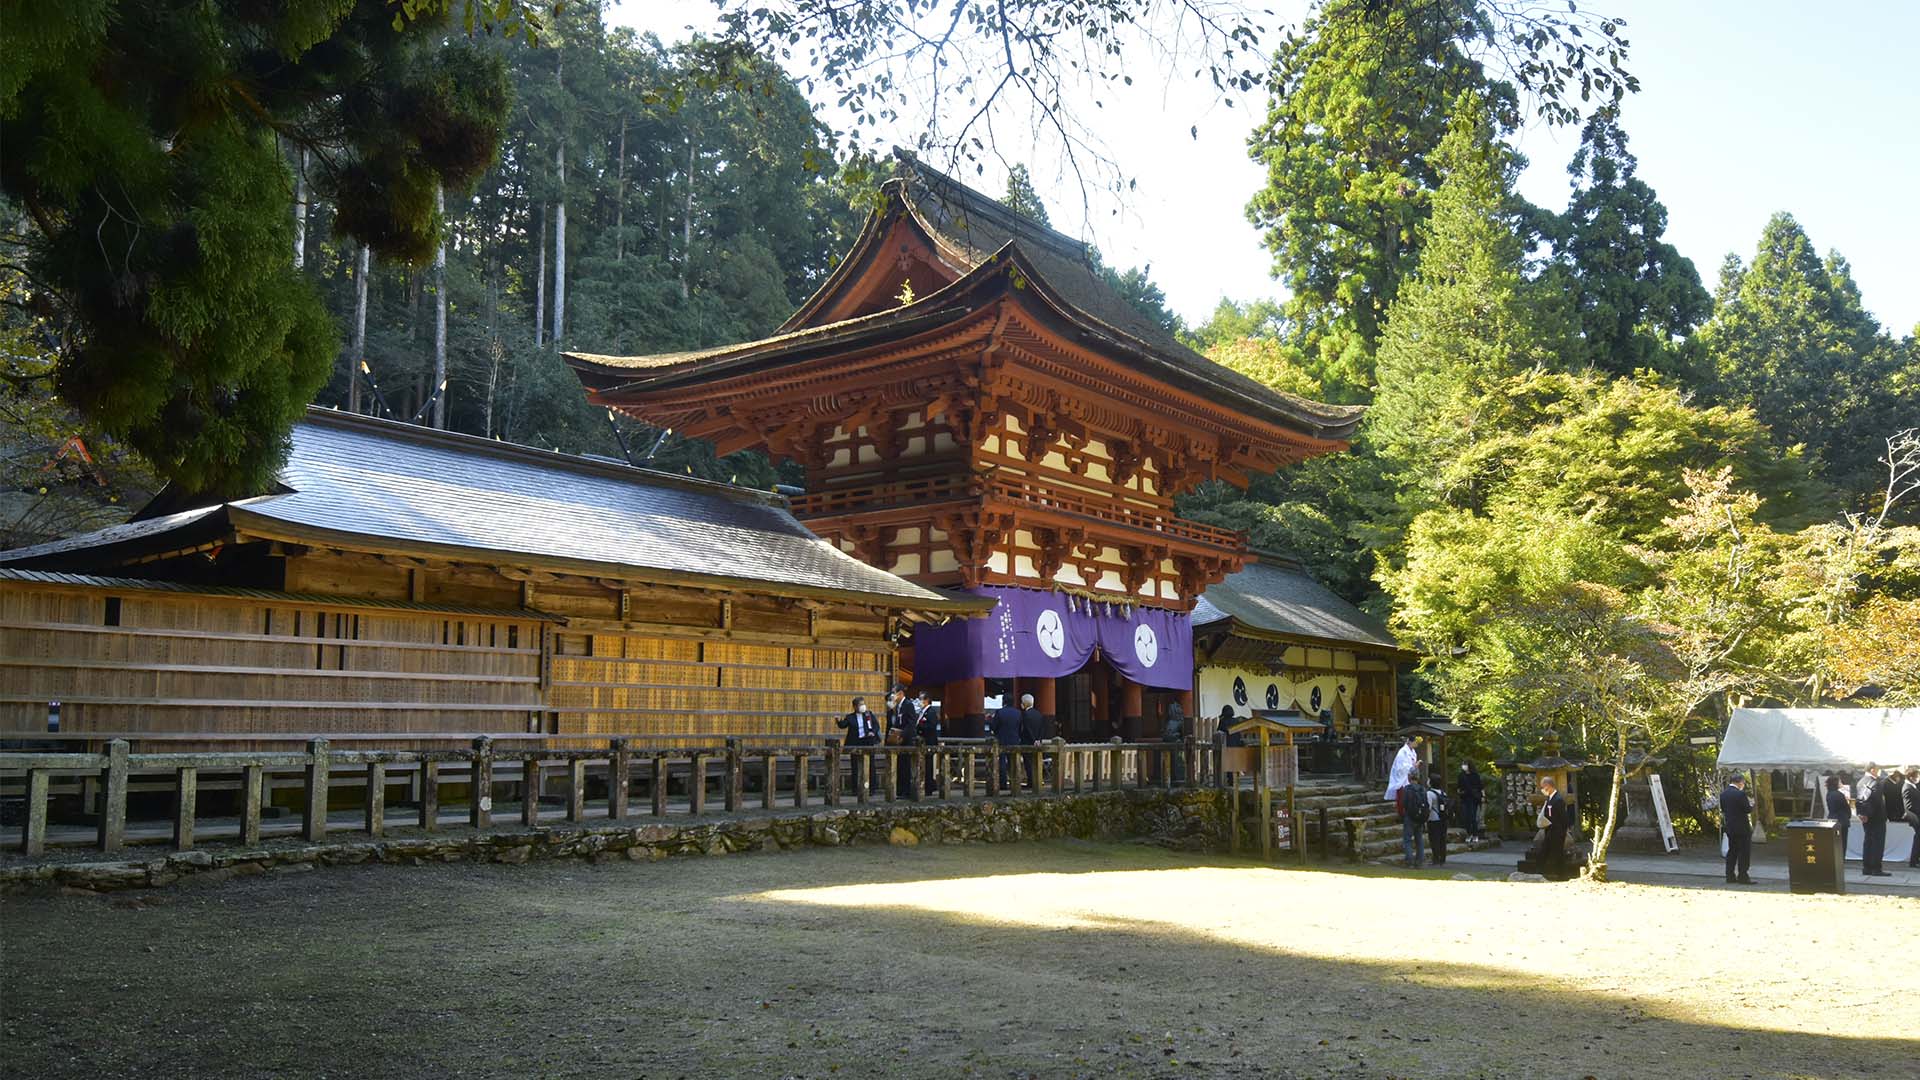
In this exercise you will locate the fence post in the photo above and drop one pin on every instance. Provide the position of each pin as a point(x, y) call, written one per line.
point(33, 838)
point(113, 798)
point(430, 796)
point(660, 785)
point(697, 785)
point(480, 800)
point(252, 779)
point(770, 779)
point(889, 774)
point(376, 798)
point(734, 777)
point(802, 768)
point(993, 767)
point(1190, 753)
point(833, 775)
point(319, 772)
point(943, 765)
point(619, 779)
point(186, 797)
point(862, 775)
point(530, 791)
point(577, 789)
point(1059, 766)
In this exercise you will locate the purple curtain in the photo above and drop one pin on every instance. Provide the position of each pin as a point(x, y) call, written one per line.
point(1041, 634)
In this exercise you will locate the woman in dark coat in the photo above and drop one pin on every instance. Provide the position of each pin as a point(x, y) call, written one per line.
point(1471, 788)
point(1838, 810)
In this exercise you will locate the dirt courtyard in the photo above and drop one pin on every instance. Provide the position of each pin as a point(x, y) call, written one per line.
point(1018, 960)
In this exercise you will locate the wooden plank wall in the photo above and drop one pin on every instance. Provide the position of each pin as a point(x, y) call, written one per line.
point(163, 662)
point(640, 660)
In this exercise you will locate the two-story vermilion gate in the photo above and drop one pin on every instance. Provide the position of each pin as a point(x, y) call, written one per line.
point(977, 410)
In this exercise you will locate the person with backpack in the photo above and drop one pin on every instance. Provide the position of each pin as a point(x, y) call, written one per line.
point(1437, 824)
point(1411, 803)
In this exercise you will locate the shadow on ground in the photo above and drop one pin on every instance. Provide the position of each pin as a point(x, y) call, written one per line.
point(1076, 960)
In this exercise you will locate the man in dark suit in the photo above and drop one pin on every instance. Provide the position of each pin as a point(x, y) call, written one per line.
point(863, 729)
point(1870, 801)
point(861, 726)
point(1910, 801)
point(902, 721)
point(1736, 821)
point(1553, 840)
point(927, 729)
point(1006, 731)
point(1033, 724)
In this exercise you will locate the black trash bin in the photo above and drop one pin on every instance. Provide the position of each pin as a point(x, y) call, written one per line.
point(1815, 861)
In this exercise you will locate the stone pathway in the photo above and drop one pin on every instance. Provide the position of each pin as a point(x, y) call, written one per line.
point(1700, 868)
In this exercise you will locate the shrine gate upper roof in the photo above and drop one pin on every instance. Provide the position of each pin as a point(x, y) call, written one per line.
point(937, 252)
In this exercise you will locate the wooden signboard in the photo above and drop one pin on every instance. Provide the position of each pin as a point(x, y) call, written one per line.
point(1661, 815)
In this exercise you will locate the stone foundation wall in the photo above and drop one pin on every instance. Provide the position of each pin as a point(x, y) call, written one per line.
point(1191, 819)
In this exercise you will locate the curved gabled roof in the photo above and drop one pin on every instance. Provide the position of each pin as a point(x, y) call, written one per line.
point(362, 483)
point(973, 232)
point(1276, 597)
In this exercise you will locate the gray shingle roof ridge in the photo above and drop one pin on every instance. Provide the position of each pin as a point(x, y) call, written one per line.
point(989, 207)
point(126, 530)
point(532, 455)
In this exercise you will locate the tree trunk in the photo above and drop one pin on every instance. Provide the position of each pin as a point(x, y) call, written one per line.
point(540, 284)
point(300, 212)
point(1597, 858)
point(439, 387)
point(357, 354)
point(620, 198)
point(686, 227)
point(560, 248)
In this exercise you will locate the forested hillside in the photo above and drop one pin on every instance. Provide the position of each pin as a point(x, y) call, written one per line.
point(646, 198)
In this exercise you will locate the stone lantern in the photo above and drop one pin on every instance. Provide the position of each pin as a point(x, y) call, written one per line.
point(1565, 778)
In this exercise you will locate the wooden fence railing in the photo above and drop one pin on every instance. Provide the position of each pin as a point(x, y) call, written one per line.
point(730, 776)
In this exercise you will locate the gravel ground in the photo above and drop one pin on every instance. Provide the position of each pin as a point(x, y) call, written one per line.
point(1021, 960)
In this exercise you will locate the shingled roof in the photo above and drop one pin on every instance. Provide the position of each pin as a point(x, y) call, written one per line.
point(1276, 597)
point(354, 481)
point(974, 232)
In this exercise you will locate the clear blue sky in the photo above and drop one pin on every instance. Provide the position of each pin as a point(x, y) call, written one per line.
point(1747, 107)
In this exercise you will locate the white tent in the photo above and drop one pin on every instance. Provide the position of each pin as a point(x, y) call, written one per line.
point(1823, 739)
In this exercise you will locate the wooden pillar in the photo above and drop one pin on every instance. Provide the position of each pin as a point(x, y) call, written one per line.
point(33, 837)
point(113, 798)
point(480, 798)
point(620, 779)
point(252, 781)
point(185, 799)
point(964, 705)
point(376, 798)
point(319, 768)
point(1133, 724)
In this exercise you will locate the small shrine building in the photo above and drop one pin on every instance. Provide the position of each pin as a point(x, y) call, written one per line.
point(979, 412)
point(1271, 638)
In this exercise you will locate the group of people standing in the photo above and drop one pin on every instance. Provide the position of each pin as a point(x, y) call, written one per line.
point(916, 721)
point(1424, 809)
point(1876, 798)
point(909, 721)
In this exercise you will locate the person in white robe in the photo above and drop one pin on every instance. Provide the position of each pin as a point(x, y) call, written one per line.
point(1403, 764)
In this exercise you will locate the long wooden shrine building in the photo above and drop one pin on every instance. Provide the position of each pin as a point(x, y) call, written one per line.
point(979, 412)
point(401, 579)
